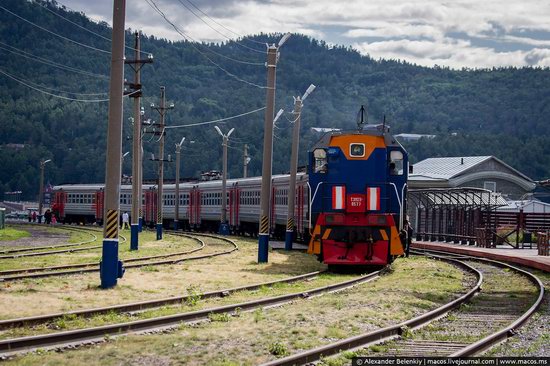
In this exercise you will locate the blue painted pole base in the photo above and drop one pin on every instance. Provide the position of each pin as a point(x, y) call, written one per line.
point(159, 231)
point(224, 228)
point(263, 248)
point(289, 236)
point(134, 236)
point(110, 268)
point(176, 225)
point(140, 224)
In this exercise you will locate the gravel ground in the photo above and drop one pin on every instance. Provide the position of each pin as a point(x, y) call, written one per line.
point(40, 236)
point(533, 339)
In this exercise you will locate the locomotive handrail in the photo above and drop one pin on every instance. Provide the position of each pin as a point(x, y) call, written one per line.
point(399, 202)
point(311, 202)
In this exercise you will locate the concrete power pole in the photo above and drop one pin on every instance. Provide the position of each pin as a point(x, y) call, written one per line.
point(265, 198)
point(177, 213)
point(162, 109)
point(110, 267)
point(136, 93)
point(298, 103)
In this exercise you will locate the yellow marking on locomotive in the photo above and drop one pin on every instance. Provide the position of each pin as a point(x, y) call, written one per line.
point(344, 142)
point(326, 233)
point(314, 243)
point(384, 234)
point(396, 247)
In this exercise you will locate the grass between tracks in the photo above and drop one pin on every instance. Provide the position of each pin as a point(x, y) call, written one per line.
point(533, 339)
point(513, 292)
point(9, 233)
point(413, 286)
point(149, 247)
point(54, 294)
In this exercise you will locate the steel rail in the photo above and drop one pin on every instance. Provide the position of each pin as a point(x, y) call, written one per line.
point(142, 305)
point(384, 333)
point(5, 254)
point(136, 265)
point(80, 336)
point(15, 256)
point(92, 264)
point(510, 330)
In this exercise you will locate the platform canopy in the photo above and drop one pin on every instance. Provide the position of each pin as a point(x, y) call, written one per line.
point(465, 198)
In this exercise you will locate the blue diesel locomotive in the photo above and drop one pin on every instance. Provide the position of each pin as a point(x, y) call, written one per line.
point(357, 185)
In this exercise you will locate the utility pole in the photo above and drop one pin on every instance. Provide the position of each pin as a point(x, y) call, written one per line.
point(41, 189)
point(224, 227)
point(177, 213)
point(136, 64)
point(265, 198)
point(246, 160)
point(110, 268)
point(162, 109)
point(298, 103)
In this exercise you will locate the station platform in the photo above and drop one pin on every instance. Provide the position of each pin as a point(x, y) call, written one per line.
point(524, 257)
point(274, 244)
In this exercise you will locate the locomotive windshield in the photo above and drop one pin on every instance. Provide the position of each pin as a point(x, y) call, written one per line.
point(320, 160)
point(396, 163)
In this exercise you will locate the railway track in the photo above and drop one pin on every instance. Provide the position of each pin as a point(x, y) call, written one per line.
point(96, 334)
point(482, 311)
point(39, 272)
point(36, 251)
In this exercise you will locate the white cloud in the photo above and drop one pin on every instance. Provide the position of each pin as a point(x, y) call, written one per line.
point(468, 33)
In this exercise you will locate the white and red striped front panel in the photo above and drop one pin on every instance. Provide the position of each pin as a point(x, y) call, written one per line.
point(373, 198)
point(338, 197)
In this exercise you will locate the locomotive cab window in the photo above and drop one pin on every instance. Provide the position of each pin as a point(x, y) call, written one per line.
point(396, 163)
point(320, 160)
point(357, 150)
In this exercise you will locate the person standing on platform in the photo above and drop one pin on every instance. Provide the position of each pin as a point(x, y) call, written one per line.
point(408, 240)
point(125, 221)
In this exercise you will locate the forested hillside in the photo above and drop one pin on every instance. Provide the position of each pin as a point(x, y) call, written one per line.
point(502, 112)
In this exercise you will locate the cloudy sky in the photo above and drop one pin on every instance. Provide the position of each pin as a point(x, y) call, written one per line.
point(454, 33)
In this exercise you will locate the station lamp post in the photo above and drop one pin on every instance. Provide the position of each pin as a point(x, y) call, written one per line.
point(224, 227)
point(298, 103)
point(41, 189)
point(263, 235)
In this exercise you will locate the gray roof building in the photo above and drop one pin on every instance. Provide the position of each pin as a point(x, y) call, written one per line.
point(486, 172)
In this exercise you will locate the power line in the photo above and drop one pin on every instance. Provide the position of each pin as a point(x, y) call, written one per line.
point(86, 29)
point(55, 34)
point(153, 5)
point(43, 60)
point(221, 25)
point(217, 31)
point(185, 35)
point(55, 95)
point(58, 90)
point(217, 120)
